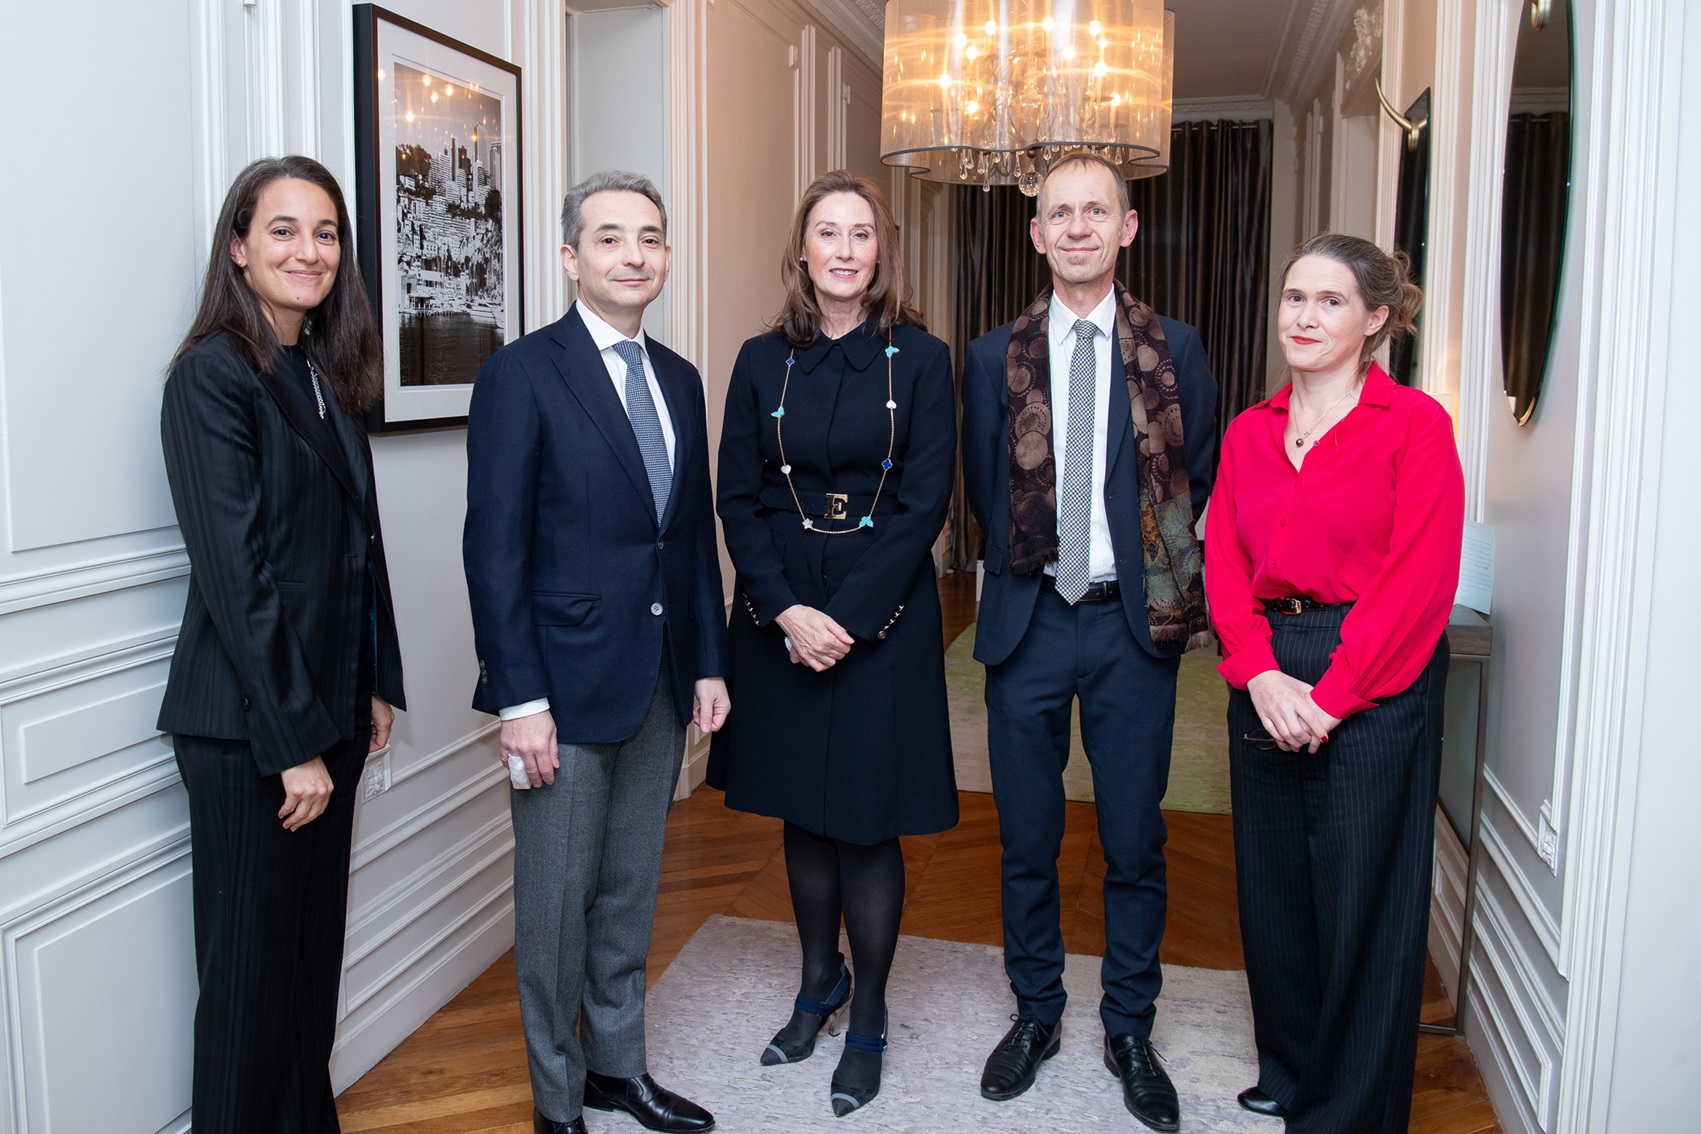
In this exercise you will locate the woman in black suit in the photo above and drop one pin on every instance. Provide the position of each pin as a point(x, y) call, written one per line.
point(287, 664)
point(836, 463)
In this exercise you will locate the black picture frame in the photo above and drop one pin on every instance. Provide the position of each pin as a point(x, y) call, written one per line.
point(438, 209)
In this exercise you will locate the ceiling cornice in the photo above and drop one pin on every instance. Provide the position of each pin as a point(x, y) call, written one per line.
point(1306, 47)
point(861, 22)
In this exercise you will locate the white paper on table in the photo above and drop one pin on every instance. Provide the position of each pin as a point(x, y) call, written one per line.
point(1476, 568)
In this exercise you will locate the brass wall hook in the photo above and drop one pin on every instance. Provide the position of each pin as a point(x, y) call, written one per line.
point(1412, 128)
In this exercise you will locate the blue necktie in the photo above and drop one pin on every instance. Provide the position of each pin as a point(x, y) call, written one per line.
point(1074, 501)
point(646, 425)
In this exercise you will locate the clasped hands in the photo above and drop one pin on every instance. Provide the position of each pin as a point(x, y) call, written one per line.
point(814, 638)
point(1288, 713)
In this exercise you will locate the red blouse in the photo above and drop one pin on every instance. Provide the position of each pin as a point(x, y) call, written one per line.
point(1374, 516)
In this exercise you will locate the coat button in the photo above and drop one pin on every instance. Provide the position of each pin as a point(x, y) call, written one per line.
point(656, 608)
point(660, 544)
point(245, 705)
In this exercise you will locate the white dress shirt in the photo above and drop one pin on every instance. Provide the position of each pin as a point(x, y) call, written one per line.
point(1060, 326)
point(605, 336)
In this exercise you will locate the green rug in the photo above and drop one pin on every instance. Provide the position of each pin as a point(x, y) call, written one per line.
point(1198, 772)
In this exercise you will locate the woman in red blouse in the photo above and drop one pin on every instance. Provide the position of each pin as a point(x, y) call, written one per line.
point(1332, 555)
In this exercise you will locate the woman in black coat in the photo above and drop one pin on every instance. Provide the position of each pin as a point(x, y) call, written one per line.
point(836, 464)
point(287, 664)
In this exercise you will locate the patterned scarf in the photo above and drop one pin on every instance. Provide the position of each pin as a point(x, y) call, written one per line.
point(1175, 592)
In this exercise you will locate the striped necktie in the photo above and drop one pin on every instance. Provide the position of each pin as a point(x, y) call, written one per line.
point(1074, 502)
point(646, 425)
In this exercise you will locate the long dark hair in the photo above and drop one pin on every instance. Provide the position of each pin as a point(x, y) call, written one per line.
point(339, 334)
point(888, 294)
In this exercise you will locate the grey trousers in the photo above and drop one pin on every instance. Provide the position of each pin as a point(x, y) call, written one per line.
point(587, 862)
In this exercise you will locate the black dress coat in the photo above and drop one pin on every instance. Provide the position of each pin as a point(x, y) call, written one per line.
point(861, 752)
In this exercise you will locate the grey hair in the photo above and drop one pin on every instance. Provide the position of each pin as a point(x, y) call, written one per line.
point(1087, 157)
point(607, 181)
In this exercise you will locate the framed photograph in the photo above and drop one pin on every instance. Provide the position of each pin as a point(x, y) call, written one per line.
point(437, 212)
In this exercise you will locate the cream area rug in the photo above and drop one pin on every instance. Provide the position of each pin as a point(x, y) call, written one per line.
point(717, 1005)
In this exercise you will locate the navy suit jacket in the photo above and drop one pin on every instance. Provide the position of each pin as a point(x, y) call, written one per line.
point(574, 586)
point(1007, 599)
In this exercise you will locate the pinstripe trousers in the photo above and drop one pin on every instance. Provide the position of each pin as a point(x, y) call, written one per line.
point(270, 907)
point(1333, 856)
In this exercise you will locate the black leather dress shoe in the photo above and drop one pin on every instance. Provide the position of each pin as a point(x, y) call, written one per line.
point(1258, 1102)
point(1146, 1090)
point(655, 1107)
point(542, 1125)
point(1011, 1066)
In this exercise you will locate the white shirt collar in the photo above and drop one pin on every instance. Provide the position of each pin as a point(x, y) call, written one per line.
point(602, 334)
point(1060, 320)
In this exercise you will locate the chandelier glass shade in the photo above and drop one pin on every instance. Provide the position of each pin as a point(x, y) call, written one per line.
point(992, 92)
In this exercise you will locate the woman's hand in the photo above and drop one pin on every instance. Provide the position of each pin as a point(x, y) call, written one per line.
point(307, 789)
point(1288, 713)
point(382, 718)
point(816, 640)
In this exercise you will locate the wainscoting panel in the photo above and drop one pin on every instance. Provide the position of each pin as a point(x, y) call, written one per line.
point(94, 973)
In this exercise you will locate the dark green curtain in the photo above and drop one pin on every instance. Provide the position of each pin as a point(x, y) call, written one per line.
point(1532, 242)
point(1202, 255)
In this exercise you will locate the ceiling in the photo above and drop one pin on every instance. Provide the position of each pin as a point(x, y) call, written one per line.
point(1225, 49)
point(1265, 49)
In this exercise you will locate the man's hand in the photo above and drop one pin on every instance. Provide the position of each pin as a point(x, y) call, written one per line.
point(383, 717)
point(532, 739)
point(816, 639)
point(712, 705)
point(307, 790)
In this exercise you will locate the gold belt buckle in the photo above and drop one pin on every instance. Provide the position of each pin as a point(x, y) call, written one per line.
point(836, 502)
point(1287, 605)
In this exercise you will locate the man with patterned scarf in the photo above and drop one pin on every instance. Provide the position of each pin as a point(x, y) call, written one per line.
point(1089, 429)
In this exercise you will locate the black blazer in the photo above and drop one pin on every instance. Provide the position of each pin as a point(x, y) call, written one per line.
point(1007, 599)
point(281, 532)
point(574, 586)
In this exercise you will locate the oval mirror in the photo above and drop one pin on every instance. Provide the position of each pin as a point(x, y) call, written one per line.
point(1535, 194)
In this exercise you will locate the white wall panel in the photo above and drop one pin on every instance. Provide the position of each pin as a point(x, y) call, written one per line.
point(93, 974)
point(98, 259)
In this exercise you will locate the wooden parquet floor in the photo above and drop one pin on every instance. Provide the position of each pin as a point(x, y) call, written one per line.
point(465, 1069)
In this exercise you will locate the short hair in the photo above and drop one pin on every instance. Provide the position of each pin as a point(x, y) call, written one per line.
point(888, 292)
point(1383, 279)
point(1087, 157)
point(606, 181)
point(340, 335)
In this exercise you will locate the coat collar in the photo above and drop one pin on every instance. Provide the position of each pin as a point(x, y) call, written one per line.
point(861, 347)
point(585, 374)
point(301, 411)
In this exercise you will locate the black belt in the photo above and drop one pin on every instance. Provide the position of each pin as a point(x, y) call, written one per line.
point(1299, 604)
point(827, 505)
point(1107, 591)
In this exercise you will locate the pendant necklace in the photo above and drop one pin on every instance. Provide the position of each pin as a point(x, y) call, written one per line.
point(779, 416)
point(313, 374)
point(1299, 442)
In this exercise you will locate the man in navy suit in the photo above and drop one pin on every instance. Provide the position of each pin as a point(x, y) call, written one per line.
point(1089, 426)
point(598, 615)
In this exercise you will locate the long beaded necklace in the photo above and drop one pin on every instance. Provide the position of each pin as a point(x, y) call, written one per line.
point(779, 416)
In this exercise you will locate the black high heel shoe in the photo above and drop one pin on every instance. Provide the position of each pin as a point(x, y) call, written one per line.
point(847, 1097)
point(796, 1041)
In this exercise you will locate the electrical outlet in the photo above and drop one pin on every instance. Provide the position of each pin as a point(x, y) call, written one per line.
point(376, 780)
point(1547, 838)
